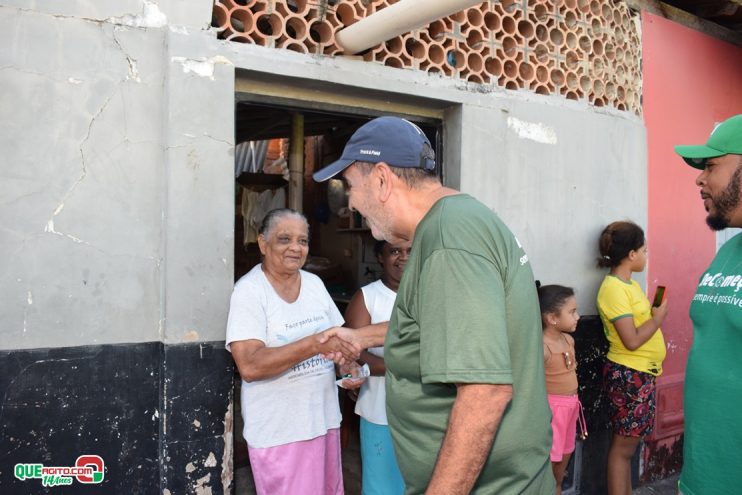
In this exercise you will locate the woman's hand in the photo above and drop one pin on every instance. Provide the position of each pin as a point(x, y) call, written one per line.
point(351, 369)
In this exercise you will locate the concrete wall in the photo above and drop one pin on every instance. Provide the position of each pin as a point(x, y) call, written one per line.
point(116, 212)
point(557, 175)
point(117, 190)
point(111, 143)
point(116, 231)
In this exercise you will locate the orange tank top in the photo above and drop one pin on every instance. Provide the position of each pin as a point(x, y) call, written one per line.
point(561, 369)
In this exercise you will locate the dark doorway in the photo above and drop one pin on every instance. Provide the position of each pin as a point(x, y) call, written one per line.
point(341, 247)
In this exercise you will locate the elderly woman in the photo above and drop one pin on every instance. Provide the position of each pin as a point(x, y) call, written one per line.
point(277, 315)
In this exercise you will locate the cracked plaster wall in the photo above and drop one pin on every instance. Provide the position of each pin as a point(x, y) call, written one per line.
point(117, 133)
point(109, 155)
point(116, 183)
point(134, 13)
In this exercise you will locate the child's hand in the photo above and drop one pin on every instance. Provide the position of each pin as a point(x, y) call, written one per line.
point(659, 313)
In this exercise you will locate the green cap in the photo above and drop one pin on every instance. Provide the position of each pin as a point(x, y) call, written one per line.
point(725, 139)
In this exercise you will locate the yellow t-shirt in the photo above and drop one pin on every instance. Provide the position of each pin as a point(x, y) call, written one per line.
point(618, 299)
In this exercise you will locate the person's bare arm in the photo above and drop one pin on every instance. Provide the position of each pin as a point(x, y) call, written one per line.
point(258, 362)
point(475, 417)
point(633, 337)
point(357, 316)
point(375, 363)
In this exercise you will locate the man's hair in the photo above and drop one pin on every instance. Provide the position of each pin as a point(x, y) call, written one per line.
point(413, 177)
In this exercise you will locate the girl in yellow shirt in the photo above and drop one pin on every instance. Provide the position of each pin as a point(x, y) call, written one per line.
point(636, 347)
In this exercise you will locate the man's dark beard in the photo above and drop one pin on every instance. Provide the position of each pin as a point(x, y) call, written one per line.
point(727, 202)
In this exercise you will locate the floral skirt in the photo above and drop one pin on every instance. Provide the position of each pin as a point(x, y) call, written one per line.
point(631, 399)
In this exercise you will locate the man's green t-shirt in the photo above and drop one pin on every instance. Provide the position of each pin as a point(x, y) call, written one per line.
point(712, 448)
point(467, 312)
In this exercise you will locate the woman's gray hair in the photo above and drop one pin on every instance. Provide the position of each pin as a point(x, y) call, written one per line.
point(273, 217)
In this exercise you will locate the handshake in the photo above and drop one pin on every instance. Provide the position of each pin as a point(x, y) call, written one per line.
point(344, 345)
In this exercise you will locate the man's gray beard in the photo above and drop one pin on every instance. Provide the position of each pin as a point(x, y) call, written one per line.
point(727, 202)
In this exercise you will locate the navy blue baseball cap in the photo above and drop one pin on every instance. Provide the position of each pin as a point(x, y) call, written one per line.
point(394, 141)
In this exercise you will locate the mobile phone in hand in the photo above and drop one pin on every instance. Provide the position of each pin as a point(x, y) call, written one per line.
point(659, 295)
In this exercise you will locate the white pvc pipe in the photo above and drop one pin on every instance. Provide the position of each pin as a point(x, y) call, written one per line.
point(399, 18)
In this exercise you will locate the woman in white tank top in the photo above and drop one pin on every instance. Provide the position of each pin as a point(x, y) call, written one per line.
point(374, 304)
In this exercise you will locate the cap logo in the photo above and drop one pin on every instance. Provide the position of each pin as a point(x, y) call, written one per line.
point(370, 152)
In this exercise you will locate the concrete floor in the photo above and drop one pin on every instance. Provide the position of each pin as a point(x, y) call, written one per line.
point(244, 485)
point(352, 477)
point(668, 486)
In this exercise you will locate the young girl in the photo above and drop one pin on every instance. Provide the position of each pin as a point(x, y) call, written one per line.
point(636, 347)
point(559, 318)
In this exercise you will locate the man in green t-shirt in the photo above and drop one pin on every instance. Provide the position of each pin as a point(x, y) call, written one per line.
point(466, 394)
point(713, 378)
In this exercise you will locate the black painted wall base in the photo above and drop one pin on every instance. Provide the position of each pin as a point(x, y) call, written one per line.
point(158, 415)
point(591, 346)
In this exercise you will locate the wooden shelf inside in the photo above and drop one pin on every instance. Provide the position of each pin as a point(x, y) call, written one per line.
point(253, 179)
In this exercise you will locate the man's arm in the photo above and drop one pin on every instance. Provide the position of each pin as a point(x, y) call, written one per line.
point(475, 416)
point(364, 337)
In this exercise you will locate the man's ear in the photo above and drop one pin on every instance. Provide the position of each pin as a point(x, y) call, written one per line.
point(384, 181)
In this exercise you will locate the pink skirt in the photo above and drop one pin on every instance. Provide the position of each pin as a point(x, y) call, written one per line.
point(309, 467)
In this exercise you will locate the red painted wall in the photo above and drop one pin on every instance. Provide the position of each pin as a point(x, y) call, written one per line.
point(691, 81)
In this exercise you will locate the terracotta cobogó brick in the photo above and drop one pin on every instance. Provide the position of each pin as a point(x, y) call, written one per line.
point(579, 49)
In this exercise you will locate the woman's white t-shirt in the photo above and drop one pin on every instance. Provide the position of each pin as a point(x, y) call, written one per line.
point(302, 402)
point(371, 405)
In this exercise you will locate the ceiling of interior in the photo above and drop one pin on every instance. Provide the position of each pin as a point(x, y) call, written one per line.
point(726, 13)
point(255, 122)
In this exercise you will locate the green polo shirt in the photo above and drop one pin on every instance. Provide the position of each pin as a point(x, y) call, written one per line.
point(467, 312)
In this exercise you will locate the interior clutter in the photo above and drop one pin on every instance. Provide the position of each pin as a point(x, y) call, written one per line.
point(343, 262)
point(272, 171)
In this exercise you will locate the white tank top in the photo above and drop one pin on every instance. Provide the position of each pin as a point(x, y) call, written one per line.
point(371, 405)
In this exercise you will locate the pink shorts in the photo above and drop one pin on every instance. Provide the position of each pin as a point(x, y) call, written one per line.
point(309, 467)
point(565, 411)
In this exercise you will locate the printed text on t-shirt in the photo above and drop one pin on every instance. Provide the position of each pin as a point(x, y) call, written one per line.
point(720, 280)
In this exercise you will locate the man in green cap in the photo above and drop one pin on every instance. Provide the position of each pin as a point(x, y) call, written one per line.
point(713, 379)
